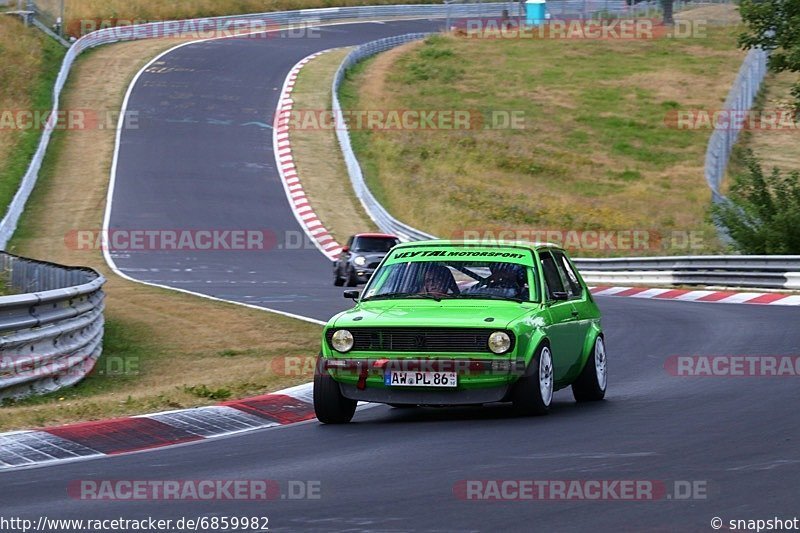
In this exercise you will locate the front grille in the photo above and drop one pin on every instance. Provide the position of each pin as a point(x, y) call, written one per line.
point(373, 265)
point(472, 340)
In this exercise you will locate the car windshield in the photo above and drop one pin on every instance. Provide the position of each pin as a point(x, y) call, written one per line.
point(374, 244)
point(453, 280)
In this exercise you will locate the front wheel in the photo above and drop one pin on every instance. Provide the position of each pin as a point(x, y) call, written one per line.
point(533, 392)
point(591, 384)
point(330, 406)
point(352, 279)
point(337, 279)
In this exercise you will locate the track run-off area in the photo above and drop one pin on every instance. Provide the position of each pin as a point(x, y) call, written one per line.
point(202, 157)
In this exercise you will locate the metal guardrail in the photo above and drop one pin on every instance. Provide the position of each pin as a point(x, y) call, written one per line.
point(756, 271)
point(51, 333)
point(385, 221)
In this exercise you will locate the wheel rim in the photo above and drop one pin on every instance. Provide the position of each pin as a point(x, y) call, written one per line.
point(546, 375)
point(600, 363)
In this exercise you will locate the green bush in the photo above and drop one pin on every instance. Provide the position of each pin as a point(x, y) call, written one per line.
point(762, 215)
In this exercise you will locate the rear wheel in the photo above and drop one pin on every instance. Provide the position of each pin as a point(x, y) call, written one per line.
point(591, 384)
point(533, 392)
point(330, 406)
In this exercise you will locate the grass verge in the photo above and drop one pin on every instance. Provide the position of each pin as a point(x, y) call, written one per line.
point(163, 349)
point(28, 69)
point(595, 153)
point(317, 154)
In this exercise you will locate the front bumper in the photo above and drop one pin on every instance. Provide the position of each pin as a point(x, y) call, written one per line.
point(479, 380)
point(363, 274)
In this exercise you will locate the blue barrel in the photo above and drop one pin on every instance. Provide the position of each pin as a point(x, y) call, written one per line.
point(535, 12)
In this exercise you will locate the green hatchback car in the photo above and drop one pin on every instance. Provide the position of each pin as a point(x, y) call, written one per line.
point(461, 323)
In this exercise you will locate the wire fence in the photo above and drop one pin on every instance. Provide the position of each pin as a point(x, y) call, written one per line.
point(740, 100)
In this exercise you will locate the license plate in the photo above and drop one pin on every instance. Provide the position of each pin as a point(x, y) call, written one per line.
point(397, 378)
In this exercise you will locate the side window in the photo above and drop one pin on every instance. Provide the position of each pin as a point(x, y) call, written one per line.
point(552, 278)
point(568, 274)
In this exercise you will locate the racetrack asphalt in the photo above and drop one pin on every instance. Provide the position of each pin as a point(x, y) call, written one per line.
point(395, 470)
point(197, 161)
point(199, 156)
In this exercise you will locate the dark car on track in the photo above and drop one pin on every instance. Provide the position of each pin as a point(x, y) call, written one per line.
point(360, 257)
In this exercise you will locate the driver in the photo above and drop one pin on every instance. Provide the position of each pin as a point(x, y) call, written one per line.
point(438, 281)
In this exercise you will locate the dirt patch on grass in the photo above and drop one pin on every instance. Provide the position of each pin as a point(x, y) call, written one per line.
point(317, 154)
point(778, 147)
point(724, 14)
point(175, 350)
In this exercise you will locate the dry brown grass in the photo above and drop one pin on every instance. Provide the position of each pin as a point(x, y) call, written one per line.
point(318, 157)
point(781, 147)
point(21, 64)
point(714, 14)
point(176, 340)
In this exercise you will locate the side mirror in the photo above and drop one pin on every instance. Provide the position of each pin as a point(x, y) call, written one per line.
point(345, 249)
point(352, 294)
point(560, 296)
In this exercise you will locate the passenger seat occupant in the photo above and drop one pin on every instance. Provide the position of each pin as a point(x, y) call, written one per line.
point(437, 280)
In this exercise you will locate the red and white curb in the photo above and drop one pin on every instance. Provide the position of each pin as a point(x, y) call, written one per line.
point(72, 442)
point(687, 295)
point(303, 211)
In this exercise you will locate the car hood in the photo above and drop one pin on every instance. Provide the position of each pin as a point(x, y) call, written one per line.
point(429, 313)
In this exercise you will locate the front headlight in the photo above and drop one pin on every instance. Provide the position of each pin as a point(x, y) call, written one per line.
point(360, 260)
point(499, 342)
point(342, 341)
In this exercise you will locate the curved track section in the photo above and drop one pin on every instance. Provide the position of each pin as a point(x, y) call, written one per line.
point(396, 470)
point(201, 159)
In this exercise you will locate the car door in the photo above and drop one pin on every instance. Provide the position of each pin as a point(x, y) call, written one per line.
point(562, 331)
point(577, 296)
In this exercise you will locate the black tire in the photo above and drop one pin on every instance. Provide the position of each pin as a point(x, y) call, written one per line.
point(352, 280)
point(588, 387)
point(329, 404)
point(527, 395)
point(337, 279)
